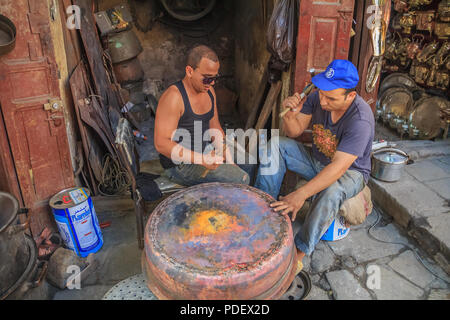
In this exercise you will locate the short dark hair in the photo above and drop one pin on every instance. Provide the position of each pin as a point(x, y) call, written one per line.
point(347, 91)
point(197, 53)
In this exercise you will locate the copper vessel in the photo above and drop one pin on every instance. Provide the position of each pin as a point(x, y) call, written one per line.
point(218, 241)
point(407, 21)
point(401, 5)
point(425, 21)
point(442, 79)
point(444, 11)
point(128, 71)
point(124, 46)
point(442, 30)
point(427, 52)
point(415, 45)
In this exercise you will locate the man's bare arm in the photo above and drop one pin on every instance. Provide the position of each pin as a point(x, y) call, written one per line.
point(295, 122)
point(168, 114)
point(294, 201)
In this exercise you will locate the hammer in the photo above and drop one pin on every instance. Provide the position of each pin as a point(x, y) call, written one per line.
point(306, 91)
point(224, 152)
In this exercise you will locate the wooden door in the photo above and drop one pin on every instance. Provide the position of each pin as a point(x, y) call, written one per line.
point(37, 137)
point(323, 35)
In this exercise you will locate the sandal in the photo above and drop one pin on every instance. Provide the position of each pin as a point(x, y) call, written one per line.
point(299, 267)
point(47, 243)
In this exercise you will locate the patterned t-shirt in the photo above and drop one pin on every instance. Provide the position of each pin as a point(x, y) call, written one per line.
point(353, 133)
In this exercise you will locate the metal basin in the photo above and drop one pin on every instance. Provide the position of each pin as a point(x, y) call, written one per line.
point(218, 241)
point(388, 164)
point(14, 250)
point(7, 35)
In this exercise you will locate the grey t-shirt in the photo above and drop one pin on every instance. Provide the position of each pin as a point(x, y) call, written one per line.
point(353, 133)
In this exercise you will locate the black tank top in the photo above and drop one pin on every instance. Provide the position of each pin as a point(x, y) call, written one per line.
point(187, 122)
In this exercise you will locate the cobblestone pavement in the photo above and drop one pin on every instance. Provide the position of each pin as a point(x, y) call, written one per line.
point(359, 267)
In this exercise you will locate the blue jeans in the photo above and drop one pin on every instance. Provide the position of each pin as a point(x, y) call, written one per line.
point(325, 204)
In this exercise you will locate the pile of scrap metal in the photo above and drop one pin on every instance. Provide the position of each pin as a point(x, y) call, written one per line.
point(99, 104)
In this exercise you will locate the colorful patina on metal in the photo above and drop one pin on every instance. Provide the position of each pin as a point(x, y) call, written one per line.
point(218, 241)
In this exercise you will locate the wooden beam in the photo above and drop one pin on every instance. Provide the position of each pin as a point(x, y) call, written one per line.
point(258, 99)
point(272, 98)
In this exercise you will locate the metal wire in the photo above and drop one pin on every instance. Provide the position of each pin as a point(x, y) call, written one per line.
point(115, 180)
point(403, 244)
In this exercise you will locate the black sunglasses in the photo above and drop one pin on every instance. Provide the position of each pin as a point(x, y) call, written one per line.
point(209, 80)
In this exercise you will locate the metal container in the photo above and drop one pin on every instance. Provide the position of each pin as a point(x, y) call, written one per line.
point(7, 35)
point(77, 221)
point(14, 253)
point(128, 71)
point(218, 241)
point(124, 46)
point(18, 253)
point(388, 164)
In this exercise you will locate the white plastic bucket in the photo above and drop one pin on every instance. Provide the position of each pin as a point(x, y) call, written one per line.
point(337, 230)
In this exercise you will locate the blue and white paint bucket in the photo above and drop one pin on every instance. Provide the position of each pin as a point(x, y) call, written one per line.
point(337, 230)
point(77, 221)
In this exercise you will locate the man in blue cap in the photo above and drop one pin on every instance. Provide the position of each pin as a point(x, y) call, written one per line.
point(338, 166)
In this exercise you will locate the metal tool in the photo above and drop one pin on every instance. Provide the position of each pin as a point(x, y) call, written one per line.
point(224, 151)
point(304, 94)
point(306, 91)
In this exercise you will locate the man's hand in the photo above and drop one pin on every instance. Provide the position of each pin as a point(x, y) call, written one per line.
point(211, 161)
point(293, 202)
point(294, 103)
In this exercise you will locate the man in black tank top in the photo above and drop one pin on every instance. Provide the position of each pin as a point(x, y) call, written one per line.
point(187, 127)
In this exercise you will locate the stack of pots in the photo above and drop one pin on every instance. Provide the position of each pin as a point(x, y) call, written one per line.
point(124, 48)
point(406, 108)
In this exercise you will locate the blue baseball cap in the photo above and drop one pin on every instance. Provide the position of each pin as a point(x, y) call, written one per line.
point(339, 74)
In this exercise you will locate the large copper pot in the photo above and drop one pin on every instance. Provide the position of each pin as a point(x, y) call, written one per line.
point(128, 71)
point(124, 46)
point(218, 241)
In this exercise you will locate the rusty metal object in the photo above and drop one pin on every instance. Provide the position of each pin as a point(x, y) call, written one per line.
point(442, 80)
point(401, 5)
point(442, 30)
point(218, 241)
point(419, 3)
point(124, 46)
point(7, 35)
point(407, 21)
point(414, 47)
point(391, 45)
point(444, 11)
point(128, 71)
point(18, 252)
point(427, 117)
point(425, 20)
